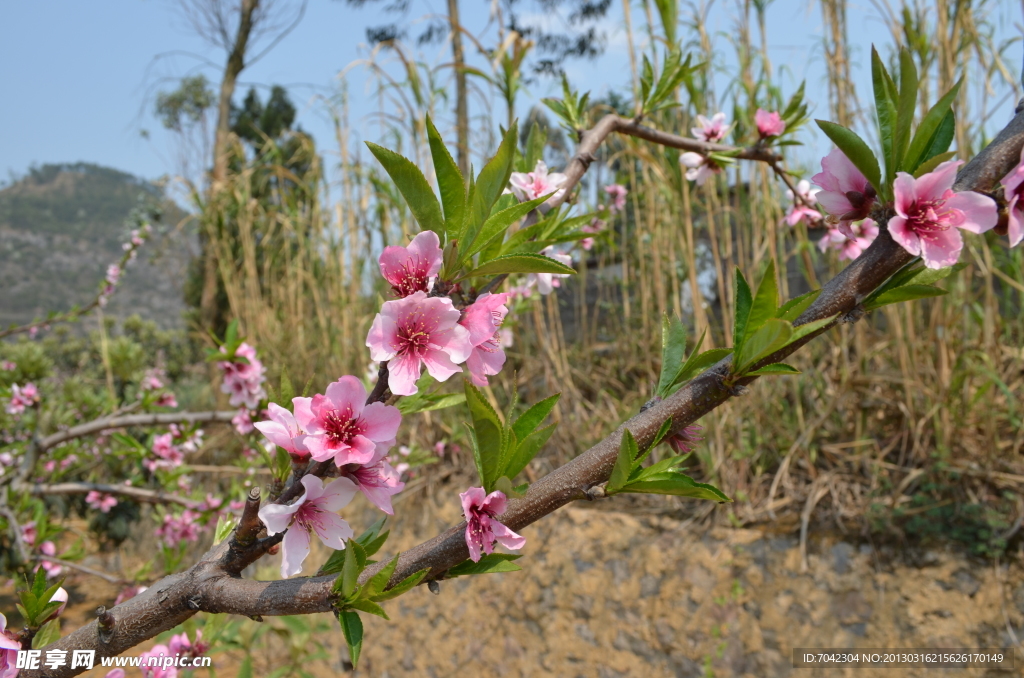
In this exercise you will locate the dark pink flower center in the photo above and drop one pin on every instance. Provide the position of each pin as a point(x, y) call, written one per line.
point(310, 516)
point(411, 278)
point(929, 218)
point(414, 335)
point(340, 426)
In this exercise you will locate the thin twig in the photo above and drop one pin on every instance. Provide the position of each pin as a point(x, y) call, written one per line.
point(137, 493)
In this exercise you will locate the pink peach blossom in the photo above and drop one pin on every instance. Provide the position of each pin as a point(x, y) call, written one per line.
point(685, 440)
point(283, 430)
point(115, 673)
point(177, 529)
point(152, 380)
point(769, 124)
point(927, 210)
point(166, 400)
point(313, 512)
point(412, 269)
point(377, 480)
point(699, 167)
point(341, 426)
point(532, 185)
point(243, 380)
point(845, 193)
point(800, 209)
point(417, 331)
point(152, 663)
point(7, 365)
point(48, 548)
point(9, 647)
point(864, 233)
point(617, 194)
point(59, 596)
point(1013, 189)
point(113, 274)
point(713, 130)
point(22, 397)
point(100, 501)
point(483, 319)
point(242, 422)
point(482, 526)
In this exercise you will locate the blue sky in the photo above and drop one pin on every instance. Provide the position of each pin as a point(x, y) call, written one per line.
point(79, 77)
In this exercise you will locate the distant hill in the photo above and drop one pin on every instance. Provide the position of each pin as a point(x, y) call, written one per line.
point(61, 225)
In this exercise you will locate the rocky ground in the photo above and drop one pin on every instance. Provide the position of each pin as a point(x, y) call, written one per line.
point(607, 594)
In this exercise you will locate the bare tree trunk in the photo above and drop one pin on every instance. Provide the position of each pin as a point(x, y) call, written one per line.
point(234, 66)
point(461, 108)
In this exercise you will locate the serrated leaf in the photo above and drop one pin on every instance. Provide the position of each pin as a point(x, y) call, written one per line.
point(905, 293)
point(450, 181)
point(527, 449)
point(931, 163)
point(488, 563)
point(225, 524)
point(741, 308)
point(628, 451)
point(491, 181)
point(801, 331)
point(488, 434)
point(792, 309)
point(772, 336)
point(351, 569)
point(697, 363)
point(931, 130)
point(766, 301)
point(371, 533)
point(533, 417)
point(365, 605)
point(372, 547)
point(414, 188)
point(774, 368)
point(856, 150)
point(403, 586)
point(885, 108)
point(535, 143)
point(429, 402)
point(498, 223)
point(352, 628)
point(47, 633)
point(673, 349)
point(286, 390)
point(666, 428)
point(505, 486)
point(905, 108)
point(678, 485)
point(521, 263)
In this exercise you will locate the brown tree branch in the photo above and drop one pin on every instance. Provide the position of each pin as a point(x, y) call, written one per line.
point(206, 586)
point(137, 493)
point(150, 419)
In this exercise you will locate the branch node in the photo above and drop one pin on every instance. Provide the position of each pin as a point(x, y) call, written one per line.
point(193, 602)
point(595, 492)
point(434, 587)
point(104, 624)
point(853, 316)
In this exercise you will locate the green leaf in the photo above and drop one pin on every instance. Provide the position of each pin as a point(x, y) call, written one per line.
point(491, 181)
point(498, 223)
point(905, 108)
point(766, 301)
point(403, 586)
point(743, 301)
point(905, 293)
point(673, 349)
point(521, 263)
point(676, 484)
point(225, 524)
point(379, 581)
point(666, 428)
point(535, 143)
point(772, 336)
point(792, 309)
point(885, 107)
point(414, 188)
point(505, 486)
point(450, 181)
point(487, 430)
point(697, 363)
point(429, 402)
point(47, 633)
point(371, 536)
point(365, 605)
point(492, 562)
point(286, 390)
point(529, 420)
point(931, 163)
point(527, 449)
point(628, 452)
point(936, 127)
point(352, 627)
point(774, 368)
point(351, 569)
point(245, 670)
point(855, 149)
point(801, 331)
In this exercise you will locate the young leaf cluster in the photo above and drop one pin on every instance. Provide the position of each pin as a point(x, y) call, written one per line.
point(913, 281)
point(657, 96)
point(37, 604)
point(351, 598)
point(470, 220)
point(488, 564)
point(916, 153)
point(761, 327)
point(502, 449)
point(663, 477)
point(571, 109)
point(676, 368)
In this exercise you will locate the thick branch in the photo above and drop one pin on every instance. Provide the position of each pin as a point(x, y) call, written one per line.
point(206, 586)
